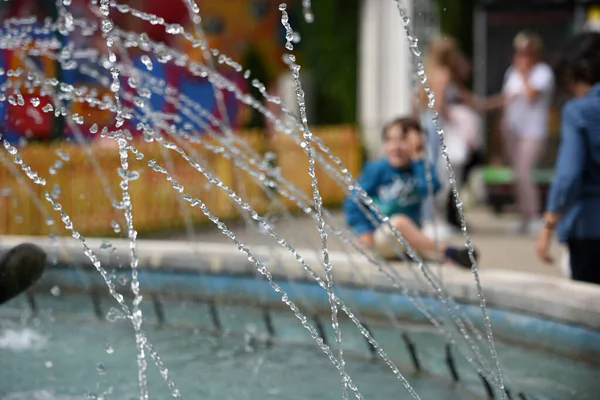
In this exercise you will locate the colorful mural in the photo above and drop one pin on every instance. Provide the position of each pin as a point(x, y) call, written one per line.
point(248, 31)
point(22, 114)
point(242, 24)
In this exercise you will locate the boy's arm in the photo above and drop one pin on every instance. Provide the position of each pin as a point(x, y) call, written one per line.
point(420, 177)
point(355, 216)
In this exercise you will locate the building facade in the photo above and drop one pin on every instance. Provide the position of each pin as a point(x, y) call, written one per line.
point(387, 68)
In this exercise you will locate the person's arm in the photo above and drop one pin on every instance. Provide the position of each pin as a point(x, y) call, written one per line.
point(438, 85)
point(355, 216)
point(530, 91)
point(494, 102)
point(491, 103)
point(420, 177)
point(538, 82)
point(566, 184)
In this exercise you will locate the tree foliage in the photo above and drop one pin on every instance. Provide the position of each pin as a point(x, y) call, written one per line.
point(456, 20)
point(329, 50)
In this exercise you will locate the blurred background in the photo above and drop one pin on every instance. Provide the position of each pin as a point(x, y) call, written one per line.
point(357, 72)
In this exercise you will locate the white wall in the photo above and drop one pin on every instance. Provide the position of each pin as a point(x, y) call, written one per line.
point(385, 67)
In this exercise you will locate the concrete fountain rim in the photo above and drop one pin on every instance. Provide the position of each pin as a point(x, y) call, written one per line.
point(553, 298)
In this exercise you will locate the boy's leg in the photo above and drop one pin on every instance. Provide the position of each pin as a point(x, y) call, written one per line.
point(386, 245)
point(413, 235)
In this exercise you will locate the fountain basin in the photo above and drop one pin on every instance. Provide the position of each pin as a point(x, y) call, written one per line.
point(547, 329)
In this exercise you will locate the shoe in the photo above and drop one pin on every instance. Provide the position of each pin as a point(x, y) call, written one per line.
point(461, 257)
point(531, 227)
point(517, 228)
point(534, 226)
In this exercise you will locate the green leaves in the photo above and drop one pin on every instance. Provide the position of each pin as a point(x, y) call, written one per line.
point(330, 55)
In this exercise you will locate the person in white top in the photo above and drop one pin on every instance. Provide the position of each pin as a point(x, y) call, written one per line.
point(528, 90)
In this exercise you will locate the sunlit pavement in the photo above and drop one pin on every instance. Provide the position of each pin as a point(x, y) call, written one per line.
point(498, 248)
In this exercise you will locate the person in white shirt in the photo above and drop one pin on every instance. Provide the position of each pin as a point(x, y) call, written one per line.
point(528, 90)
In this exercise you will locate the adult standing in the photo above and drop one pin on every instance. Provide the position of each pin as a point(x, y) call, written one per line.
point(574, 197)
point(447, 72)
point(442, 54)
point(528, 90)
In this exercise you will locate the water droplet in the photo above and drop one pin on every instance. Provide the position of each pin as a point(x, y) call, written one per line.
point(147, 62)
point(309, 16)
point(128, 175)
point(174, 29)
point(114, 314)
point(63, 155)
point(101, 369)
point(116, 227)
point(11, 149)
point(48, 364)
point(106, 26)
point(132, 82)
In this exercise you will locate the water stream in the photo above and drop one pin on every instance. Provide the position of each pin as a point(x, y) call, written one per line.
point(114, 69)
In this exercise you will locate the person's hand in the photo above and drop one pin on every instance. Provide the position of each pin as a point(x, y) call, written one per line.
point(417, 154)
point(416, 147)
point(542, 246)
point(523, 66)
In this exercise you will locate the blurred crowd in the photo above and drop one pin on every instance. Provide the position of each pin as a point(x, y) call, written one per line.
point(525, 102)
point(423, 210)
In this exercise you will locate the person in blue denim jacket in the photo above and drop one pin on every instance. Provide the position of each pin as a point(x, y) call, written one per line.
point(398, 185)
point(573, 204)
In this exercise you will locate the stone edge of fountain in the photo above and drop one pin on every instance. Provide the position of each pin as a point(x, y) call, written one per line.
point(549, 297)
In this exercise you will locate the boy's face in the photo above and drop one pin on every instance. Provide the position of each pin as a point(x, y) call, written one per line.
point(398, 146)
point(415, 139)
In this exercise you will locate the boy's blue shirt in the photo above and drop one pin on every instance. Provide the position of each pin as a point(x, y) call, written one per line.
point(393, 190)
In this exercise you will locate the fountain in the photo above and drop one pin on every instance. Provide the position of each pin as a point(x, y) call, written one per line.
point(165, 290)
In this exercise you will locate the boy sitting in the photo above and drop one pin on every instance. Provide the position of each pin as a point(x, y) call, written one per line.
point(398, 185)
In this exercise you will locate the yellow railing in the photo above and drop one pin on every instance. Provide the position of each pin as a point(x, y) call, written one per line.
point(87, 198)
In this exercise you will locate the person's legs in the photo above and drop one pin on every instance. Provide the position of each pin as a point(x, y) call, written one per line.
point(432, 211)
point(474, 160)
point(528, 154)
point(583, 256)
point(510, 144)
point(525, 158)
point(422, 244)
point(452, 211)
point(452, 215)
point(386, 244)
